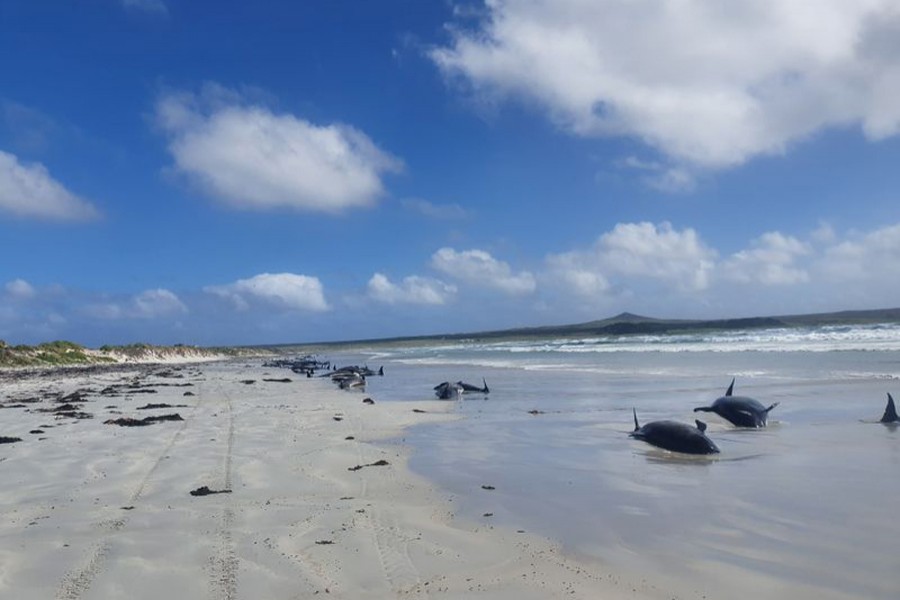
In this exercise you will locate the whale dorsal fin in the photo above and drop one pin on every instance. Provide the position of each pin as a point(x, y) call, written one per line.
point(486, 389)
point(730, 389)
point(636, 426)
point(700, 425)
point(890, 412)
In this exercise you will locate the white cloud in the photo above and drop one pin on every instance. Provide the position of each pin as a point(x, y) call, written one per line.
point(19, 288)
point(676, 259)
point(252, 158)
point(412, 290)
point(29, 191)
point(708, 84)
point(285, 290)
point(157, 303)
point(771, 260)
point(480, 268)
point(149, 304)
point(444, 212)
point(150, 6)
point(873, 256)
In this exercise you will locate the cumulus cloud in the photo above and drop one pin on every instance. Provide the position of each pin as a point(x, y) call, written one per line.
point(677, 259)
point(149, 304)
point(20, 289)
point(480, 268)
point(249, 157)
point(705, 83)
point(412, 290)
point(443, 212)
point(869, 256)
point(29, 191)
point(285, 290)
point(771, 260)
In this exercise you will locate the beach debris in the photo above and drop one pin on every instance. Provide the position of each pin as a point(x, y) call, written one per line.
point(377, 463)
point(188, 394)
point(152, 406)
point(349, 437)
point(248, 381)
point(36, 431)
point(418, 410)
point(368, 401)
point(338, 418)
point(488, 515)
point(535, 411)
point(132, 422)
point(9, 440)
point(282, 380)
point(324, 542)
point(205, 491)
point(488, 487)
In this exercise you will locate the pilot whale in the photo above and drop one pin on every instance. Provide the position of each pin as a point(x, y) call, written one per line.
point(447, 390)
point(739, 410)
point(890, 412)
point(675, 436)
point(468, 387)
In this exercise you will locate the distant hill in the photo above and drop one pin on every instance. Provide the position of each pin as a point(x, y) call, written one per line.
point(631, 324)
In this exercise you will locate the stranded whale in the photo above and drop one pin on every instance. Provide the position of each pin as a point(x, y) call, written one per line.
point(447, 390)
point(675, 436)
point(890, 412)
point(468, 387)
point(739, 410)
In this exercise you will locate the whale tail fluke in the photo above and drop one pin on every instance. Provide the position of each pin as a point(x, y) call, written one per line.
point(890, 412)
point(730, 389)
point(771, 407)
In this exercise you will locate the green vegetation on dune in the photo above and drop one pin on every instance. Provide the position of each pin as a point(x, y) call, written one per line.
point(61, 353)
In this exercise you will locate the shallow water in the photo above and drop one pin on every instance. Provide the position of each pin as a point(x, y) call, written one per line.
point(805, 508)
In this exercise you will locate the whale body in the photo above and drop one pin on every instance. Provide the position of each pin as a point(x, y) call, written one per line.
point(675, 436)
point(739, 410)
point(890, 412)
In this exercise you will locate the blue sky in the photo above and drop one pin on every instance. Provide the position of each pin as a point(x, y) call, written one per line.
point(177, 171)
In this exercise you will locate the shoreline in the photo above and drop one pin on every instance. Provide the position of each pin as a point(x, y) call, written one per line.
point(92, 510)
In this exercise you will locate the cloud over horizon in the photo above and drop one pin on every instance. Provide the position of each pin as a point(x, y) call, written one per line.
point(249, 157)
point(283, 290)
point(705, 85)
point(28, 191)
point(412, 290)
point(479, 268)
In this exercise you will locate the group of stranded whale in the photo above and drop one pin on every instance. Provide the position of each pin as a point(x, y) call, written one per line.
point(740, 411)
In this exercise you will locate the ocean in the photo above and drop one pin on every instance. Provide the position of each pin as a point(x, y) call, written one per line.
point(806, 508)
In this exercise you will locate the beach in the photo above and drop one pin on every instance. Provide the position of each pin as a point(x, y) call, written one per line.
point(302, 490)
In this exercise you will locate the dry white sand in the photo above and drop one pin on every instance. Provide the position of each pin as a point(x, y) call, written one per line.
point(91, 510)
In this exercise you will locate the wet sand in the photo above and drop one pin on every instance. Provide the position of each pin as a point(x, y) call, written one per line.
point(303, 490)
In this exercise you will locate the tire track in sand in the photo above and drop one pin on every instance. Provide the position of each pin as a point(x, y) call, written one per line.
point(391, 545)
point(223, 565)
point(77, 581)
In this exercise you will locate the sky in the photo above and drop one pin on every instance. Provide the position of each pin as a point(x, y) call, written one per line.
point(232, 172)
